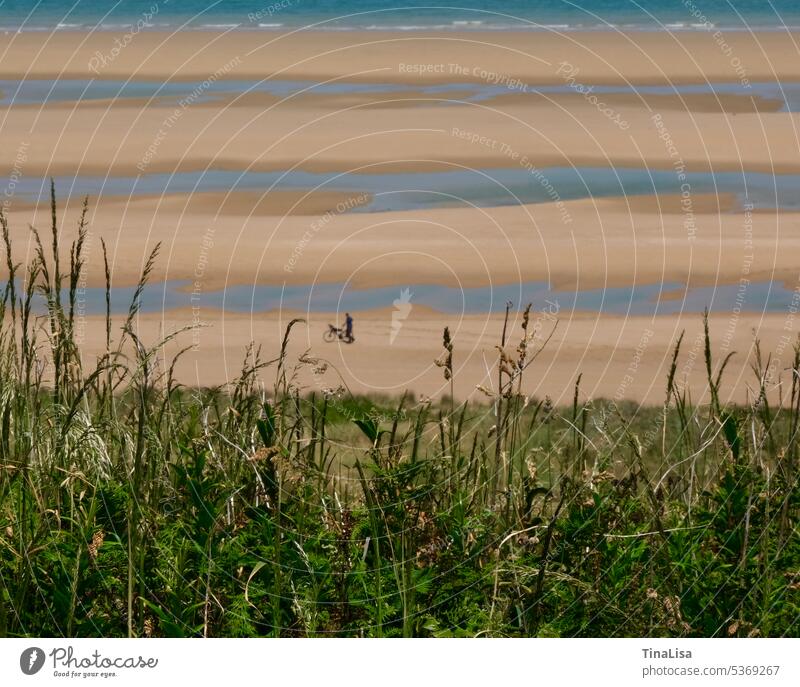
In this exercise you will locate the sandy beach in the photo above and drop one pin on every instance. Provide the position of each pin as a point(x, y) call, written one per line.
point(607, 243)
point(284, 136)
point(216, 238)
point(603, 56)
point(313, 132)
point(620, 358)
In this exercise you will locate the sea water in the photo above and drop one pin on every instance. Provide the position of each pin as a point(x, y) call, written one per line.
point(388, 14)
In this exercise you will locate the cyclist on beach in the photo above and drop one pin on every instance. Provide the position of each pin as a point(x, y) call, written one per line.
point(348, 326)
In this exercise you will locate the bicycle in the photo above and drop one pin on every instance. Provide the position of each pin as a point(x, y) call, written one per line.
point(334, 333)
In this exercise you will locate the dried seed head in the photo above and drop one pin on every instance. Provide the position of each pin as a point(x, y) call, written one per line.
point(503, 355)
point(265, 453)
point(445, 361)
point(485, 391)
point(547, 409)
point(97, 541)
point(526, 317)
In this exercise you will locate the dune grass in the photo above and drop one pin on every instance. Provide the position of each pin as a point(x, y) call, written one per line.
point(132, 506)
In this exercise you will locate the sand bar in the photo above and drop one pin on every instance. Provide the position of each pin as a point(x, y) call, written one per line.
point(584, 244)
point(601, 57)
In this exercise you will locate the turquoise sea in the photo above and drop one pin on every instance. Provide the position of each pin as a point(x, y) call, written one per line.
point(33, 15)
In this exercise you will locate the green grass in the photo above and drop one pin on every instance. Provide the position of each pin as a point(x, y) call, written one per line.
point(130, 505)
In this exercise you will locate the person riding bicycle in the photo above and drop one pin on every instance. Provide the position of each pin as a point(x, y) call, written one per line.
point(348, 326)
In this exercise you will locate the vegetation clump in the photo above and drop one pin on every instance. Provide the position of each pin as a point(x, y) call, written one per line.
point(131, 506)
